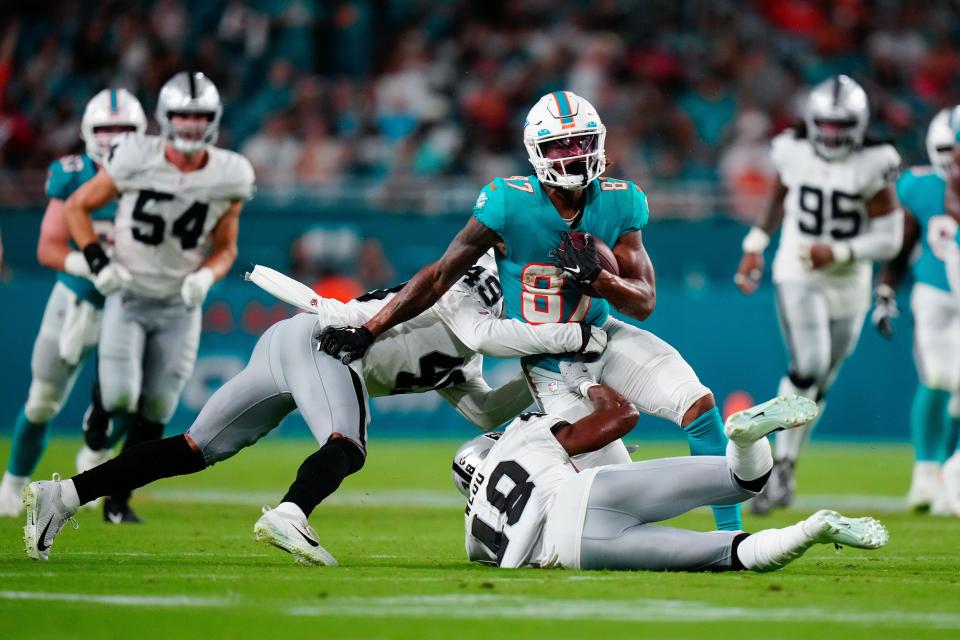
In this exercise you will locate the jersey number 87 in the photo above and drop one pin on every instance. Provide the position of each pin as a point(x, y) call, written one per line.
point(541, 298)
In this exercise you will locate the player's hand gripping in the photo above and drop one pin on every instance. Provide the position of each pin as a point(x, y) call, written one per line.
point(577, 377)
point(108, 276)
point(195, 286)
point(580, 264)
point(346, 343)
point(749, 273)
point(885, 310)
point(594, 341)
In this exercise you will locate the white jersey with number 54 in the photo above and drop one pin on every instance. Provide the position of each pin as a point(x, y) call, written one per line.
point(165, 216)
point(512, 491)
point(826, 202)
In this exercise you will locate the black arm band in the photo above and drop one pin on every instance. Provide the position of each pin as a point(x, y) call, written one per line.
point(96, 257)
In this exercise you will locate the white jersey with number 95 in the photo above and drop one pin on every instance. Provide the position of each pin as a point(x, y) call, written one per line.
point(165, 216)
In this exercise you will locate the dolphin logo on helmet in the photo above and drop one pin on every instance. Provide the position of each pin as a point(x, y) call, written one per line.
point(558, 118)
point(109, 114)
point(836, 115)
point(189, 92)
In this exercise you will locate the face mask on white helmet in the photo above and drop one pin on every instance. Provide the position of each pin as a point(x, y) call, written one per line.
point(565, 138)
point(189, 111)
point(941, 136)
point(469, 456)
point(836, 116)
point(110, 114)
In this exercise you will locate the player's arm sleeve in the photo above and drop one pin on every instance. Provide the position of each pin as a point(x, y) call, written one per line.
point(125, 162)
point(482, 331)
point(639, 213)
point(490, 208)
point(59, 184)
point(884, 171)
point(244, 185)
point(486, 407)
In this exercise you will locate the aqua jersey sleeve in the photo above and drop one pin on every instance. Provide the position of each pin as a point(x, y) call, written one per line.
point(490, 208)
point(639, 213)
point(64, 176)
point(905, 188)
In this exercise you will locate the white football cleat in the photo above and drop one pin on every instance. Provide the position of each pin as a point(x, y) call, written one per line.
point(11, 498)
point(293, 534)
point(87, 459)
point(783, 412)
point(46, 515)
point(827, 526)
point(951, 484)
point(924, 486)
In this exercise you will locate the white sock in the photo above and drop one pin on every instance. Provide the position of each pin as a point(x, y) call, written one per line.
point(292, 510)
point(750, 461)
point(68, 495)
point(15, 481)
point(773, 549)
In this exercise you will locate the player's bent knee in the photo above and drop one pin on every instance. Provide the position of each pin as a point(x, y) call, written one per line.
point(44, 402)
point(353, 455)
point(698, 408)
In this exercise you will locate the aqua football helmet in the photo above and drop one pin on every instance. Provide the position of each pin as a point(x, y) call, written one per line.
point(109, 114)
point(941, 136)
point(836, 116)
point(469, 456)
point(189, 93)
point(565, 137)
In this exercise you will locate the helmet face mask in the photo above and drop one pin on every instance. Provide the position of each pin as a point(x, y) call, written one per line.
point(837, 114)
point(940, 140)
point(565, 140)
point(183, 98)
point(110, 114)
point(469, 456)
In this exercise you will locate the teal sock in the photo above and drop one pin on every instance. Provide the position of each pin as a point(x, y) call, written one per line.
point(930, 429)
point(705, 437)
point(953, 438)
point(29, 443)
point(120, 425)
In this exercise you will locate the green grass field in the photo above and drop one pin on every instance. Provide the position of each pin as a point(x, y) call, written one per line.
point(193, 569)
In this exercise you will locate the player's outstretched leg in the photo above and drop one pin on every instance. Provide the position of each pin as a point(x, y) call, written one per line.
point(773, 549)
point(50, 504)
point(779, 414)
point(703, 427)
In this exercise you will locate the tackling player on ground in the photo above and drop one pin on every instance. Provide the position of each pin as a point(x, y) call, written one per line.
point(935, 414)
point(840, 212)
point(528, 505)
point(528, 219)
point(436, 351)
point(179, 201)
point(71, 320)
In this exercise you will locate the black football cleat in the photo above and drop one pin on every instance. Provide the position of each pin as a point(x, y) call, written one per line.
point(118, 511)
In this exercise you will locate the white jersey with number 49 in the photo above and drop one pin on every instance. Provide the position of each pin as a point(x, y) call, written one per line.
point(512, 491)
point(826, 201)
point(165, 216)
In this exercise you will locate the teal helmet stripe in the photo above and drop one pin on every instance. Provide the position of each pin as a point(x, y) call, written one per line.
point(113, 101)
point(563, 106)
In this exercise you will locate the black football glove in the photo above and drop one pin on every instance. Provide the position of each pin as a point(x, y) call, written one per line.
point(885, 310)
point(579, 264)
point(346, 343)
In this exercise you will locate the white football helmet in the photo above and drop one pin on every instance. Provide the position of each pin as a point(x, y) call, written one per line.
point(469, 456)
point(110, 113)
point(836, 115)
point(559, 118)
point(941, 136)
point(189, 92)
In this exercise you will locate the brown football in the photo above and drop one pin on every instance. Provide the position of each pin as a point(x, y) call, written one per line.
point(608, 262)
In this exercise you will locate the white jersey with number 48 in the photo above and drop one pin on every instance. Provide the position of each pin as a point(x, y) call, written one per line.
point(512, 491)
point(165, 216)
point(826, 202)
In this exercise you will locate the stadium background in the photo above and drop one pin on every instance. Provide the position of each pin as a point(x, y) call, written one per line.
point(373, 124)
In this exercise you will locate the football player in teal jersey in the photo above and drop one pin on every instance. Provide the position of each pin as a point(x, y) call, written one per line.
point(529, 220)
point(68, 331)
point(935, 413)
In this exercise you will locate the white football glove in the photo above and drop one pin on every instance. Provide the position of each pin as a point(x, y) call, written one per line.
point(577, 377)
point(594, 342)
point(111, 278)
point(195, 286)
point(76, 264)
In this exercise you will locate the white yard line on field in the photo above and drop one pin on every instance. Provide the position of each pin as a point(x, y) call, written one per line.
point(121, 600)
point(450, 499)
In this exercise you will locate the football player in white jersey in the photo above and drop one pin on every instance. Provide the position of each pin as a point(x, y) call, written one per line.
point(438, 350)
point(68, 331)
point(840, 212)
point(528, 505)
point(175, 234)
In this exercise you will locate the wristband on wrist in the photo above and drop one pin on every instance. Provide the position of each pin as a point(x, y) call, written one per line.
point(96, 257)
point(756, 241)
point(842, 252)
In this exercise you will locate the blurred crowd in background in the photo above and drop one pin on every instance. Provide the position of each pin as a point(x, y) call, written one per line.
point(321, 92)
